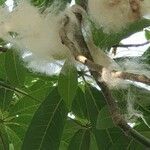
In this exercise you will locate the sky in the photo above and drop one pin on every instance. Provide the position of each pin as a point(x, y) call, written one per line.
point(137, 38)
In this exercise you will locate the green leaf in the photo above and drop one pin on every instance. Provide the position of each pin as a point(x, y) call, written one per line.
point(2, 66)
point(95, 101)
point(79, 104)
point(142, 97)
point(14, 138)
point(131, 145)
point(143, 129)
point(14, 69)
point(93, 143)
point(106, 138)
point(147, 34)
point(5, 98)
point(103, 138)
point(106, 41)
point(67, 83)
point(28, 105)
point(2, 2)
point(104, 120)
point(80, 141)
point(146, 56)
point(47, 125)
point(125, 143)
point(69, 130)
point(11, 146)
point(20, 113)
point(115, 139)
point(8, 87)
point(4, 142)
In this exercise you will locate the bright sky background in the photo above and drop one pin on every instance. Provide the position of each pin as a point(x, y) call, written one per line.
point(137, 38)
point(10, 4)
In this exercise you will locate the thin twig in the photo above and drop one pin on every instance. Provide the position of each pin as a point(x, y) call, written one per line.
point(130, 45)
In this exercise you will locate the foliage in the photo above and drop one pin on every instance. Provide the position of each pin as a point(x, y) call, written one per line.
point(34, 107)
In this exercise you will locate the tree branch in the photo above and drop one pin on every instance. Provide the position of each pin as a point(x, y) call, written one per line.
point(131, 76)
point(90, 64)
point(88, 61)
point(130, 45)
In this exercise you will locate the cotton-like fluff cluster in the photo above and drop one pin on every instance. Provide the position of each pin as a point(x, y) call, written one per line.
point(37, 33)
point(113, 15)
point(145, 9)
point(136, 67)
point(3, 17)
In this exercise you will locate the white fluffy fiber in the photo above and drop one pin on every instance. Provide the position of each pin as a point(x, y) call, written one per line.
point(135, 67)
point(145, 9)
point(37, 33)
point(113, 17)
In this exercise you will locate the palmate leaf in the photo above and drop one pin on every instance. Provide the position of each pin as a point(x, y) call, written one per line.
point(69, 130)
point(15, 140)
point(115, 139)
point(10, 66)
point(15, 71)
point(18, 106)
point(4, 142)
point(125, 143)
point(75, 137)
point(107, 136)
point(22, 112)
point(79, 105)
point(103, 138)
point(104, 120)
point(67, 83)
point(47, 125)
point(5, 98)
point(19, 112)
point(9, 87)
point(93, 143)
point(80, 141)
point(95, 101)
point(2, 67)
point(143, 128)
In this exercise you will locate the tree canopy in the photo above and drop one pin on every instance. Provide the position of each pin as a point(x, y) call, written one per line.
point(76, 107)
